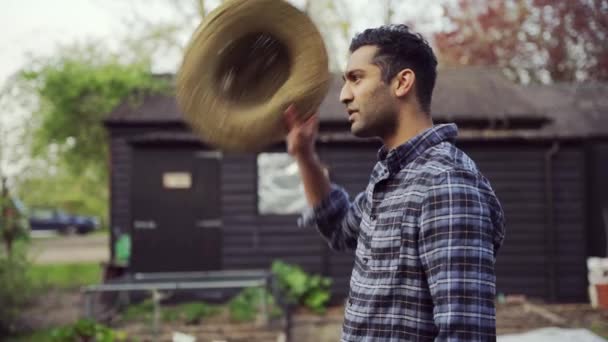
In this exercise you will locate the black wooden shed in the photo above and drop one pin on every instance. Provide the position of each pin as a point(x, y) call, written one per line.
point(188, 207)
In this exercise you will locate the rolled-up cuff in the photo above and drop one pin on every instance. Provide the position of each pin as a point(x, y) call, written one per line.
point(330, 207)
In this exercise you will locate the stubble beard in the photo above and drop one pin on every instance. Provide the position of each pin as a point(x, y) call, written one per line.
point(377, 117)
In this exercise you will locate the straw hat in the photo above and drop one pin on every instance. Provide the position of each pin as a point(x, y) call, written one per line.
point(245, 64)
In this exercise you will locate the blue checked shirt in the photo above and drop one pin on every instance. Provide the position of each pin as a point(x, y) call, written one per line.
point(425, 233)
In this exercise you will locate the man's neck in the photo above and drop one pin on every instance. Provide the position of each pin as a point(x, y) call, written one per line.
point(409, 127)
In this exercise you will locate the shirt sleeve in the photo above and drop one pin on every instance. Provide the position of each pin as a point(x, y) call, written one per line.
point(457, 250)
point(336, 218)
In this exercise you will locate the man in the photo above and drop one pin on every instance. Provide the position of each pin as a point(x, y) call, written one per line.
point(427, 228)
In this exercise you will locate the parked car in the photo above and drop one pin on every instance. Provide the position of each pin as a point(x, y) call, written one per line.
point(58, 220)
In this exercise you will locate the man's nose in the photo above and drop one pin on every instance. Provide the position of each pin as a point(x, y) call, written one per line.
point(346, 95)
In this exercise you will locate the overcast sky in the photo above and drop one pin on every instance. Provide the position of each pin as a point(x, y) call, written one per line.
point(37, 26)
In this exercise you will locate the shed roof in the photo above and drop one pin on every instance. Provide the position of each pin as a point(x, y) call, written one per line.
point(575, 110)
point(481, 100)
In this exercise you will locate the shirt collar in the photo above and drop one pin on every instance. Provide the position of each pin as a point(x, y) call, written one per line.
point(397, 158)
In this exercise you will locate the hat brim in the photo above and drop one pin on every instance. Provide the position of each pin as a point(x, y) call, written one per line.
point(245, 126)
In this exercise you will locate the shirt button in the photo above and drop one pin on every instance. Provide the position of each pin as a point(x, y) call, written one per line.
point(373, 217)
point(365, 260)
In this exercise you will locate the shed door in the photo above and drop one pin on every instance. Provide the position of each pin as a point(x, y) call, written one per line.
point(176, 223)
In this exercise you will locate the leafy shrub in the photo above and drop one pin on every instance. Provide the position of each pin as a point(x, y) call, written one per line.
point(140, 311)
point(247, 304)
point(189, 313)
point(87, 330)
point(302, 288)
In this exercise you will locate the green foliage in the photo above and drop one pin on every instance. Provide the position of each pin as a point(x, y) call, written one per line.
point(140, 311)
point(83, 194)
point(189, 313)
point(245, 306)
point(15, 286)
point(65, 276)
point(36, 336)
point(87, 330)
point(73, 93)
point(302, 288)
point(76, 91)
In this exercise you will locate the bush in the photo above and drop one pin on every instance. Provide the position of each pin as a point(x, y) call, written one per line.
point(15, 287)
point(301, 288)
point(189, 313)
point(245, 306)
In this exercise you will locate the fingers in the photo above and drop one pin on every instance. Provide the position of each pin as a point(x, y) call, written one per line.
point(291, 117)
point(301, 132)
point(311, 122)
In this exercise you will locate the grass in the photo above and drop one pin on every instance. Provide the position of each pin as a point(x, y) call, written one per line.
point(101, 231)
point(65, 276)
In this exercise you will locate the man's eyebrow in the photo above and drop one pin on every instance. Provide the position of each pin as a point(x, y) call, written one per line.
point(349, 74)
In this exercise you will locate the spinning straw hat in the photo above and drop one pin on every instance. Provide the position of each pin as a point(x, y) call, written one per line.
point(245, 64)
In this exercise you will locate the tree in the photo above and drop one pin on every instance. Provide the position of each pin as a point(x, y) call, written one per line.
point(159, 38)
point(338, 20)
point(575, 36)
point(533, 40)
point(7, 218)
point(74, 91)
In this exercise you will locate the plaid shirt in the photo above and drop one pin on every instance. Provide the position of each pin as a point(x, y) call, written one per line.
point(425, 234)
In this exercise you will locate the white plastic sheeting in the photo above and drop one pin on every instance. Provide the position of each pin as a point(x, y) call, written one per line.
point(553, 335)
point(280, 190)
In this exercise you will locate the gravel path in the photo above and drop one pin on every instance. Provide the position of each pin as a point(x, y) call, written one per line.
point(70, 249)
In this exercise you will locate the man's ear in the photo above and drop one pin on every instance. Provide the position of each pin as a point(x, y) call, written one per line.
point(404, 82)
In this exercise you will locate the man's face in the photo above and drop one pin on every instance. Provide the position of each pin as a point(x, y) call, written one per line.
point(371, 106)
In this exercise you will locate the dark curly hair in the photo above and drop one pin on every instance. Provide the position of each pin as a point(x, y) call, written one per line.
point(398, 49)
